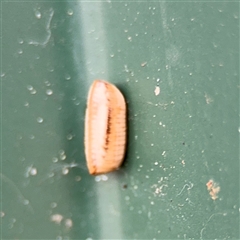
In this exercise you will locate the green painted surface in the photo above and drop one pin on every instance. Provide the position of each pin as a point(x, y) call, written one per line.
point(178, 140)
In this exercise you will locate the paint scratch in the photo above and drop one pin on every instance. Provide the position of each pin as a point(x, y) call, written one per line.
point(22, 199)
point(48, 30)
point(189, 186)
point(205, 225)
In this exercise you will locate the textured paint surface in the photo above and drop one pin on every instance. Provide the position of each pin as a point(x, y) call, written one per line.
point(105, 128)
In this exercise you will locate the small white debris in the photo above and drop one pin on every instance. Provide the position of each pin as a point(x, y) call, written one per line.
point(68, 223)
point(30, 171)
point(56, 218)
point(157, 90)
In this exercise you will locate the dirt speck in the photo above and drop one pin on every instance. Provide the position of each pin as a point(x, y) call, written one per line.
point(213, 189)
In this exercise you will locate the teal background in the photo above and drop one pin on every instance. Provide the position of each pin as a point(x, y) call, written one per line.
point(177, 141)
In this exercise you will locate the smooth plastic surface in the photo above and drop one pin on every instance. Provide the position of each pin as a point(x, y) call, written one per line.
point(177, 65)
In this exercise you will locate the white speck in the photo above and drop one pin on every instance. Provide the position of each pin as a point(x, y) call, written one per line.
point(104, 177)
point(62, 157)
point(152, 144)
point(53, 205)
point(49, 92)
point(190, 74)
point(65, 171)
point(67, 76)
point(152, 203)
point(57, 218)
point(38, 14)
point(29, 87)
point(20, 51)
point(61, 152)
point(97, 178)
point(20, 41)
point(239, 129)
point(33, 91)
point(30, 171)
point(68, 223)
point(126, 68)
point(163, 153)
point(70, 12)
point(69, 137)
point(129, 39)
point(111, 55)
point(156, 163)
point(173, 19)
point(33, 171)
point(101, 178)
point(143, 64)
point(50, 174)
point(78, 178)
point(26, 104)
point(39, 120)
point(2, 214)
point(2, 75)
point(31, 136)
point(51, 69)
point(192, 19)
point(47, 83)
point(157, 90)
point(25, 202)
point(55, 159)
